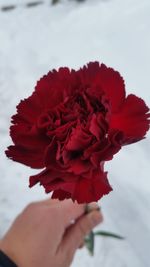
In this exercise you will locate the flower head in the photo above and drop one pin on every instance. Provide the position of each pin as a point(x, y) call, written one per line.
point(72, 123)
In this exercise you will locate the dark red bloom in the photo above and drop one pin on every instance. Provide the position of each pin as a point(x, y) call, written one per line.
point(72, 123)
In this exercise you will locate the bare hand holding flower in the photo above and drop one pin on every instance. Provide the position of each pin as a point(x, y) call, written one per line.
point(43, 234)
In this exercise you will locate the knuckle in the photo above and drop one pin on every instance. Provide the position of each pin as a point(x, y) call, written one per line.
point(30, 206)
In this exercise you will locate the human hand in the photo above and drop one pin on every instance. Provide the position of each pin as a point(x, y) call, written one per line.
point(44, 233)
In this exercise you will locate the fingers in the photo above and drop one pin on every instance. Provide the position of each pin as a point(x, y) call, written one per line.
point(71, 211)
point(76, 234)
point(67, 210)
point(63, 213)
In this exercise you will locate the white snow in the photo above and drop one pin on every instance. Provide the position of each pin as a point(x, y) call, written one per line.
point(35, 40)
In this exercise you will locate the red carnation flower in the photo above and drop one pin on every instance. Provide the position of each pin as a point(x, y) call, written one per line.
point(72, 123)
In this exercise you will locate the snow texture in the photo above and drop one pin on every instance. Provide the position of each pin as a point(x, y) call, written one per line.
point(35, 40)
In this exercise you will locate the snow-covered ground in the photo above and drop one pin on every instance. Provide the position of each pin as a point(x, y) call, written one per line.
point(34, 40)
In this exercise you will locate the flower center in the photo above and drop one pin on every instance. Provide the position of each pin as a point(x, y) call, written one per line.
point(75, 154)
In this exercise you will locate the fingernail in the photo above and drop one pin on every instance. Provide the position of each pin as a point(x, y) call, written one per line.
point(98, 208)
point(91, 207)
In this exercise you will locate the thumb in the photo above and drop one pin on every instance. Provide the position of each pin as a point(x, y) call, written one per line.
point(77, 232)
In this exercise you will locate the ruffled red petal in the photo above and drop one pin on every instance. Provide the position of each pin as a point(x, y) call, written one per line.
point(132, 119)
point(92, 188)
point(33, 158)
point(78, 166)
point(84, 189)
point(61, 194)
point(53, 88)
point(111, 82)
point(29, 145)
point(88, 73)
point(78, 140)
point(29, 137)
point(28, 110)
point(98, 126)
